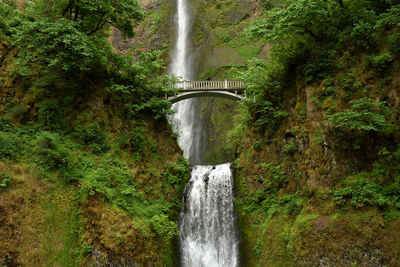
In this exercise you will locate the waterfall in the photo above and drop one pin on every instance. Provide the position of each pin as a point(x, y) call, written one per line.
point(208, 233)
point(180, 67)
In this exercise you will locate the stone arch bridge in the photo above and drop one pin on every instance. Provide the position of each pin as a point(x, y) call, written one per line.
point(234, 90)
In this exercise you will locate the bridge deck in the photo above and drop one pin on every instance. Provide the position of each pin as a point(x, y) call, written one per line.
point(226, 85)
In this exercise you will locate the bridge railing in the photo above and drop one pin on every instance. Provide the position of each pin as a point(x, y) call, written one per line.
point(209, 85)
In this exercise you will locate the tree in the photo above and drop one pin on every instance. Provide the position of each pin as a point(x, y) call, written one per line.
point(57, 46)
point(93, 15)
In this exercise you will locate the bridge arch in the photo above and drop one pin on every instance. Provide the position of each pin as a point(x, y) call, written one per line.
point(222, 94)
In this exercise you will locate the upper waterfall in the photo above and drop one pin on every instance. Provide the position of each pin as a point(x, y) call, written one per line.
point(182, 68)
point(179, 65)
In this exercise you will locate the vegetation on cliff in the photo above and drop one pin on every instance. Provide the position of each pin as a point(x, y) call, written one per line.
point(318, 172)
point(90, 172)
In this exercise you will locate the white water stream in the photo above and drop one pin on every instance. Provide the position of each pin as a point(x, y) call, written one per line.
point(208, 233)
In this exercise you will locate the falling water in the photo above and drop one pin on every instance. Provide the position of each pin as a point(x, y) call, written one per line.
point(208, 234)
point(180, 67)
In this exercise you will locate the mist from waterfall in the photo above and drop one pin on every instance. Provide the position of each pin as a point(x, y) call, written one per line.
point(208, 233)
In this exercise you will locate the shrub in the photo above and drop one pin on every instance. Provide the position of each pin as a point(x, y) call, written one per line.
point(292, 204)
point(6, 125)
point(365, 115)
point(317, 70)
point(4, 180)
point(380, 62)
point(277, 175)
point(164, 227)
point(379, 187)
point(94, 136)
point(177, 174)
point(361, 193)
point(394, 41)
point(9, 146)
point(266, 115)
point(50, 115)
point(328, 89)
point(18, 111)
point(137, 139)
point(290, 148)
point(257, 145)
point(363, 34)
point(53, 154)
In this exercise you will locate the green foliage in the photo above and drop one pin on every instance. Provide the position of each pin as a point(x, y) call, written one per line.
point(93, 136)
point(56, 45)
point(92, 133)
point(328, 89)
point(317, 70)
point(262, 81)
point(270, 204)
point(277, 175)
point(303, 28)
point(389, 18)
point(387, 168)
point(380, 62)
point(380, 187)
point(348, 81)
point(92, 16)
point(394, 41)
point(164, 227)
point(5, 180)
point(138, 88)
point(137, 140)
point(55, 155)
point(224, 36)
point(266, 115)
point(292, 204)
point(9, 146)
point(361, 194)
point(365, 115)
point(258, 145)
point(177, 174)
point(365, 193)
point(18, 111)
point(6, 125)
point(363, 32)
point(111, 180)
point(290, 148)
point(300, 21)
point(50, 115)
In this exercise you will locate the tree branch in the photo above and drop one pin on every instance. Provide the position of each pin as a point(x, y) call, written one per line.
point(68, 7)
point(100, 25)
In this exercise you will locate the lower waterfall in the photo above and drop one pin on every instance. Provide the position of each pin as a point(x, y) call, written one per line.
point(207, 226)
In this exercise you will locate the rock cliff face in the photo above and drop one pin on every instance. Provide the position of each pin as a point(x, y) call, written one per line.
point(155, 32)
